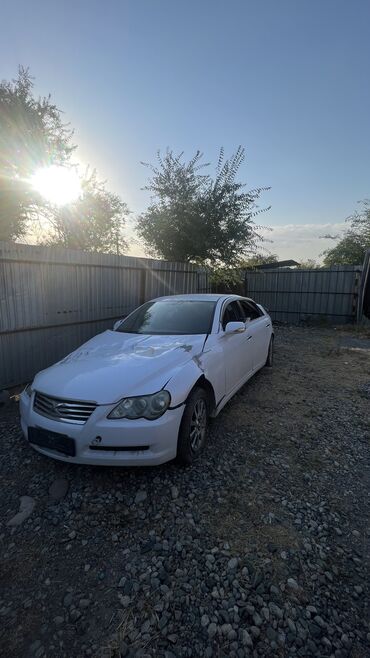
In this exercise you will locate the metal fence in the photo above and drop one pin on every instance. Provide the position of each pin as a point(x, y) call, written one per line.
point(327, 295)
point(52, 300)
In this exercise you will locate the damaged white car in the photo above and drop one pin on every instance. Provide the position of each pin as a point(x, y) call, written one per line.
point(142, 393)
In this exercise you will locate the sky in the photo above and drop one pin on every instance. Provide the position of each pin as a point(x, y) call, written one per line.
point(286, 79)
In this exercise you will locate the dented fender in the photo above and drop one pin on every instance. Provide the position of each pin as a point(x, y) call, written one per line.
point(203, 364)
point(182, 382)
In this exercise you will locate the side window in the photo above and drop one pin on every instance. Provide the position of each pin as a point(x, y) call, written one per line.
point(250, 311)
point(231, 314)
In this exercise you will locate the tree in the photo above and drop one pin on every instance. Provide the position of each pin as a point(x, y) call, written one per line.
point(193, 217)
point(95, 222)
point(351, 249)
point(32, 135)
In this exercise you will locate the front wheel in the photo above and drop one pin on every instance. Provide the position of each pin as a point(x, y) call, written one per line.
point(270, 354)
point(193, 428)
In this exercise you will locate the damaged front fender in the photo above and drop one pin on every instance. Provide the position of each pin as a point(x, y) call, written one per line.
point(182, 382)
point(201, 365)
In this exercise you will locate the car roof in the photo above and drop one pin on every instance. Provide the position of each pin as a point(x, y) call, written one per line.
point(201, 297)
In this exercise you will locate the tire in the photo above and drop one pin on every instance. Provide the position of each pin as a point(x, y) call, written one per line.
point(193, 428)
point(270, 354)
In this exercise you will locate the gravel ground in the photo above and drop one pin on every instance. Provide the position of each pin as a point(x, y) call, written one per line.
point(260, 549)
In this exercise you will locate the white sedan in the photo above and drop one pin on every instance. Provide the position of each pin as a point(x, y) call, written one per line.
point(142, 393)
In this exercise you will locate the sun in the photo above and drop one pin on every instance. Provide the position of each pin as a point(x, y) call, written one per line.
point(56, 184)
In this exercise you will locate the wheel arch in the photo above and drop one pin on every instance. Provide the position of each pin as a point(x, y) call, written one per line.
point(204, 383)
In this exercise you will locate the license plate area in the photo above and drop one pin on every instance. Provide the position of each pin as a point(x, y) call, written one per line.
point(52, 440)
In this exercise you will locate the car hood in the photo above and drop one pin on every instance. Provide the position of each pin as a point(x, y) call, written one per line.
point(114, 365)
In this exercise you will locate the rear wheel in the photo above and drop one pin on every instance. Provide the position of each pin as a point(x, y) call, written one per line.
point(193, 428)
point(270, 354)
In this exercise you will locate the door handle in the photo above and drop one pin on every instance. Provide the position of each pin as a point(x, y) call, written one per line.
point(249, 337)
point(268, 325)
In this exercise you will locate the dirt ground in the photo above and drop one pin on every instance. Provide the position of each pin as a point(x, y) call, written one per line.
point(262, 548)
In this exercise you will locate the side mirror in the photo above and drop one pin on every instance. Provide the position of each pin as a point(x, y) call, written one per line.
point(234, 328)
point(116, 324)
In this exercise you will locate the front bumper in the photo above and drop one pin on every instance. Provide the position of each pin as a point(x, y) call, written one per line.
point(129, 437)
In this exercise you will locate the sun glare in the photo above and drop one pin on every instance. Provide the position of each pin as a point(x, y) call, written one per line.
point(56, 184)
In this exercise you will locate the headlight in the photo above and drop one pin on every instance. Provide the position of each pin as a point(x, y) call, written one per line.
point(147, 406)
point(28, 390)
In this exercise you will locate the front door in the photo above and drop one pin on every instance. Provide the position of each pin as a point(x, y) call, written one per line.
point(237, 349)
point(259, 328)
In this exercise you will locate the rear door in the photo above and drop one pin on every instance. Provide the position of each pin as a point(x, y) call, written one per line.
point(259, 328)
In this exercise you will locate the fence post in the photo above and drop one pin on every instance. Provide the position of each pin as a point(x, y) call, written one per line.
point(143, 275)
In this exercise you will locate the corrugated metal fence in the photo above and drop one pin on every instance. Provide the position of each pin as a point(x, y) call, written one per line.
point(52, 300)
point(319, 295)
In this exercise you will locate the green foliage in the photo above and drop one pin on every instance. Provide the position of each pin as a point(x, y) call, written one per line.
point(32, 135)
point(259, 259)
point(351, 249)
point(309, 264)
point(228, 276)
point(193, 217)
point(95, 222)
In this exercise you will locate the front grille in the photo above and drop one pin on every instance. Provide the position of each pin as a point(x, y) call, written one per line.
point(67, 411)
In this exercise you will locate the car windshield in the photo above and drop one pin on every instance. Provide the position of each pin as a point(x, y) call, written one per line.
point(170, 318)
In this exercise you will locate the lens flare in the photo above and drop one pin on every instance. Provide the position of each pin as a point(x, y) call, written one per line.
point(56, 184)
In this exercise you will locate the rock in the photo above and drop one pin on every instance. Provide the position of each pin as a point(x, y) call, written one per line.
point(26, 508)
point(246, 639)
point(58, 620)
point(125, 600)
point(292, 584)
point(291, 625)
point(75, 615)
point(265, 612)
point(256, 632)
point(345, 641)
point(311, 609)
point(232, 564)
point(326, 642)
point(84, 603)
point(319, 621)
point(140, 497)
point(58, 489)
point(212, 630)
point(257, 619)
point(204, 621)
point(174, 493)
point(275, 610)
point(67, 601)
point(271, 634)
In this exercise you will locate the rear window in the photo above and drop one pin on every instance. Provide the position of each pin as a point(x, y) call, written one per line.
point(170, 318)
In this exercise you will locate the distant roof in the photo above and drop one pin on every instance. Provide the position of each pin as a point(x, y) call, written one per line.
point(279, 263)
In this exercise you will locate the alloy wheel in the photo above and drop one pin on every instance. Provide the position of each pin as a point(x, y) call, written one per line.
point(198, 425)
